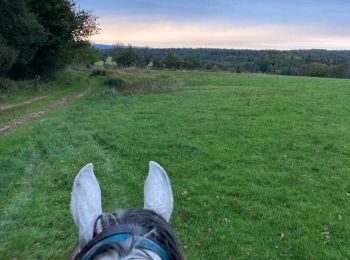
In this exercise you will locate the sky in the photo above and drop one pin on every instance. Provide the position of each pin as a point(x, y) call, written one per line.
point(233, 24)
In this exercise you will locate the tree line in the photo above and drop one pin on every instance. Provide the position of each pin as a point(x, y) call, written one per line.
point(38, 37)
point(318, 63)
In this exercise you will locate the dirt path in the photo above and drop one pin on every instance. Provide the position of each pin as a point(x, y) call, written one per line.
point(29, 117)
point(27, 102)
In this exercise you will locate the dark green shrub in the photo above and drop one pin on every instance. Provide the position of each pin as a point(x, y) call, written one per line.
point(7, 57)
point(98, 72)
point(116, 83)
point(6, 84)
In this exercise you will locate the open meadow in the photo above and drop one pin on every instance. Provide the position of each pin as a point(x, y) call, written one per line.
point(259, 165)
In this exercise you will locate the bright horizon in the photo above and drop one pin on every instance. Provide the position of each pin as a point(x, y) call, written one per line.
point(231, 24)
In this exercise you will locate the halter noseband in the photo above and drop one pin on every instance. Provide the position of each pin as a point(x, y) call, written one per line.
point(118, 234)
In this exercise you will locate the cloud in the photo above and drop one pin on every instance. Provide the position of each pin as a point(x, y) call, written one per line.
point(295, 12)
point(268, 24)
point(159, 33)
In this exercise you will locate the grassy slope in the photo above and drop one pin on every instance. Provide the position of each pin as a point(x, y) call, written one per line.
point(250, 158)
point(66, 84)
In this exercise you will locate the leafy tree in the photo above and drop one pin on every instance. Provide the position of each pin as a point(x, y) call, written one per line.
point(171, 60)
point(68, 33)
point(125, 55)
point(87, 55)
point(340, 71)
point(84, 25)
point(21, 32)
point(190, 62)
point(43, 35)
point(317, 69)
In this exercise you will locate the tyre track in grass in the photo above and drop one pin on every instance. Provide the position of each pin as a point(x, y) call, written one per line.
point(4, 128)
point(18, 105)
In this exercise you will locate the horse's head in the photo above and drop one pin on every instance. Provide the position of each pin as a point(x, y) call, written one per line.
point(124, 234)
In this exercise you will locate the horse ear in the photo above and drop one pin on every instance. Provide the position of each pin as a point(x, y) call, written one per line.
point(85, 203)
point(158, 195)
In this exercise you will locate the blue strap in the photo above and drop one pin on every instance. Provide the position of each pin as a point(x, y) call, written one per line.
point(142, 243)
point(148, 244)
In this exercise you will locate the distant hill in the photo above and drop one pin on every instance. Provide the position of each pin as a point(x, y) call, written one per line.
point(102, 46)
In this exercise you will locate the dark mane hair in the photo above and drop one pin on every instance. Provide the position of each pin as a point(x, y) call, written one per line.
point(144, 223)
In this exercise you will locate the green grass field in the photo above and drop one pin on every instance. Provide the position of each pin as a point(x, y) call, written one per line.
point(260, 165)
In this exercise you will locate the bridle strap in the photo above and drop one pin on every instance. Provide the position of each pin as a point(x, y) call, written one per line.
point(118, 234)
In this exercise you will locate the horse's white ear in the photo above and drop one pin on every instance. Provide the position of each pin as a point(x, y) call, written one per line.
point(158, 195)
point(85, 203)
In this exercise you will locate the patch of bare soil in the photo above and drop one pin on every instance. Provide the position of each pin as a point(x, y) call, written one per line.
point(29, 117)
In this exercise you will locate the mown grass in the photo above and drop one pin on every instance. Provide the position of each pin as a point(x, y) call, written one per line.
point(259, 166)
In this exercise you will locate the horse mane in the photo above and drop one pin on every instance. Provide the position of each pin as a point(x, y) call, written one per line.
point(145, 223)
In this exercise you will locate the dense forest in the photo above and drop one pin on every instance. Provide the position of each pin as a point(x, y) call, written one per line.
point(318, 63)
point(39, 37)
